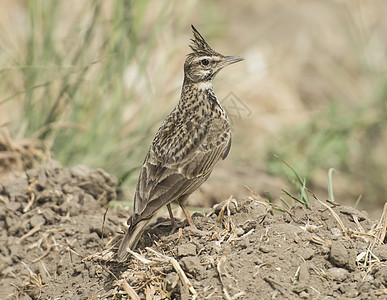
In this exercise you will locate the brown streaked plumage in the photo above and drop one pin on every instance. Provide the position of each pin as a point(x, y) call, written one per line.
point(191, 140)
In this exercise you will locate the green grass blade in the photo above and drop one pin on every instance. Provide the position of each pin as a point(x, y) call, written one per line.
point(284, 202)
point(290, 167)
point(330, 185)
point(358, 200)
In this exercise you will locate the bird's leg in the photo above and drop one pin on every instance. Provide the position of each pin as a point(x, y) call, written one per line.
point(187, 215)
point(172, 218)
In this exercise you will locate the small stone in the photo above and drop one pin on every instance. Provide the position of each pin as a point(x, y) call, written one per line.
point(304, 295)
point(303, 275)
point(336, 232)
point(339, 254)
point(186, 250)
point(337, 274)
point(249, 224)
point(239, 231)
point(191, 264)
point(265, 248)
point(36, 220)
point(306, 253)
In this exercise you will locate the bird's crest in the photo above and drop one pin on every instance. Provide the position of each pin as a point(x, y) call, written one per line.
point(199, 45)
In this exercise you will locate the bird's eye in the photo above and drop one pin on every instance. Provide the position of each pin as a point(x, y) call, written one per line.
point(205, 62)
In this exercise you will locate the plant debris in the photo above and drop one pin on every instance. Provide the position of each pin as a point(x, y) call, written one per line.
point(58, 240)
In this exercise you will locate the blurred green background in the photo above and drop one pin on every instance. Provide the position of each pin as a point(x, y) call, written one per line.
point(95, 79)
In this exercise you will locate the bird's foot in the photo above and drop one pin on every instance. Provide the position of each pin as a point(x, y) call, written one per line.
point(187, 215)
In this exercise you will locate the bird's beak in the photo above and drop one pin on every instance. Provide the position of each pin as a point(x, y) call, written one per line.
point(228, 60)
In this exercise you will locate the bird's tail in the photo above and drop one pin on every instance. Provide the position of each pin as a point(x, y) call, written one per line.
point(131, 239)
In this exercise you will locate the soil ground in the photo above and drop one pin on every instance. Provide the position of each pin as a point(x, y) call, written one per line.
point(57, 241)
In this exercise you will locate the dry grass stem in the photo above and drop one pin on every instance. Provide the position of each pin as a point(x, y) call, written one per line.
point(334, 214)
point(183, 277)
point(29, 233)
point(129, 290)
point(139, 257)
point(228, 224)
point(382, 226)
point(220, 266)
point(31, 194)
point(381, 292)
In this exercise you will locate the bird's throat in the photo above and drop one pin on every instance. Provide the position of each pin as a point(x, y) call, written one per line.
point(199, 98)
point(204, 85)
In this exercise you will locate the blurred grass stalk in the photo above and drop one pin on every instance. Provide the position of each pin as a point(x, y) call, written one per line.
point(68, 80)
point(352, 139)
point(351, 135)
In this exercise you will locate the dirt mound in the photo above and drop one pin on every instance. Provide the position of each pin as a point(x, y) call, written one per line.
point(58, 241)
point(49, 222)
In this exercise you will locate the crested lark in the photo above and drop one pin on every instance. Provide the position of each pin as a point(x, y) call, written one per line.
point(191, 140)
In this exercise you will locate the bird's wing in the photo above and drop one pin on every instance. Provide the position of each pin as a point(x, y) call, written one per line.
point(178, 163)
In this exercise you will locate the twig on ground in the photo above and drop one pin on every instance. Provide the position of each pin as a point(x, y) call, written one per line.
point(31, 193)
point(382, 226)
point(139, 257)
point(335, 204)
point(178, 269)
point(334, 214)
point(129, 290)
point(221, 213)
point(29, 233)
point(220, 268)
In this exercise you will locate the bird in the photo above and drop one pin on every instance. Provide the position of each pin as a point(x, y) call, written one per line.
point(186, 147)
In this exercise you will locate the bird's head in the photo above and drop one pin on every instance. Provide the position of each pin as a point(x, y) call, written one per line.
point(204, 63)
